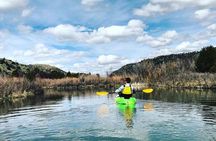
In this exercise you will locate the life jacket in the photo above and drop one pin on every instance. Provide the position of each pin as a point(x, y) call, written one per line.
point(127, 90)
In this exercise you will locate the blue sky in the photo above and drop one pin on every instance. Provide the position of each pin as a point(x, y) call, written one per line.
point(102, 35)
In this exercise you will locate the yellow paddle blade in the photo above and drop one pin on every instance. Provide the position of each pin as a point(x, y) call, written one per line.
point(102, 93)
point(149, 90)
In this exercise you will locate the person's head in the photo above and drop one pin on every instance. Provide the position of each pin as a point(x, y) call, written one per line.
point(122, 80)
point(128, 80)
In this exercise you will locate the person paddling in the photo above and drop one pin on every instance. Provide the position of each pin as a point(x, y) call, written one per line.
point(125, 90)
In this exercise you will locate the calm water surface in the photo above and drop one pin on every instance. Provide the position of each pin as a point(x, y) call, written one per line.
point(164, 115)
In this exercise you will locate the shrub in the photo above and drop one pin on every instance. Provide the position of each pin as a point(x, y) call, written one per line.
point(206, 61)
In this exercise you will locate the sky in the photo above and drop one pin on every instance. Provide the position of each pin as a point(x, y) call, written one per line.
point(100, 36)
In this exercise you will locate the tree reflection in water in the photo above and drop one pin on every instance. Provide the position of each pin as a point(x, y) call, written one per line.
point(195, 96)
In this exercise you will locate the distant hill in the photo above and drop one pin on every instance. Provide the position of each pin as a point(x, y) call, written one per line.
point(188, 70)
point(160, 68)
point(11, 68)
point(8, 67)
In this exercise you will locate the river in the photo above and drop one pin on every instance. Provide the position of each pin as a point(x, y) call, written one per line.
point(164, 115)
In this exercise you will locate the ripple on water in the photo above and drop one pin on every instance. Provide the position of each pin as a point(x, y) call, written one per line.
point(95, 118)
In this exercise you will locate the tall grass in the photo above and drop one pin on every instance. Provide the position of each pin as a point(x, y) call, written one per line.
point(15, 87)
point(83, 81)
point(19, 86)
point(50, 83)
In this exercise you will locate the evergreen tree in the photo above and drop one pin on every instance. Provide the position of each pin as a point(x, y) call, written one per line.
point(69, 74)
point(206, 61)
point(17, 73)
point(31, 74)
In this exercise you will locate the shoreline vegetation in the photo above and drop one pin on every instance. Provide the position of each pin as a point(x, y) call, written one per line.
point(194, 70)
point(19, 87)
point(189, 80)
point(12, 88)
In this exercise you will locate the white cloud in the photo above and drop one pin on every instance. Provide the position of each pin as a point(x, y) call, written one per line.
point(212, 27)
point(42, 51)
point(134, 31)
point(98, 40)
point(183, 47)
point(152, 9)
point(163, 40)
point(67, 32)
point(43, 54)
point(24, 29)
point(90, 3)
point(205, 16)
point(134, 27)
point(155, 7)
point(26, 12)
point(1, 46)
point(84, 67)
point(170, 34)
point(104, 64)
point(3, 37)
point(208, 3)
point(106, 34)
point(3, 33)
point(12, 4)
point(210, 32)
point(109, 59)
point(202, 14)
point(164, 51)
point(187, 2)
point(191, 46)
point(92, 67)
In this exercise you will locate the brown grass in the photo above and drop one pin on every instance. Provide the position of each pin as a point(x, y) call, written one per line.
point(92, 80)
point(16, 87)
point(50, 83)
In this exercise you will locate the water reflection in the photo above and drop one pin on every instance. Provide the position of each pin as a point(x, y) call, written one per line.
point(209, 114)
point(50, 96)
point(128, 113)
point(82, 115)
point(207, 97)
point(103, 111)
point(8, 106)
point(148, 107)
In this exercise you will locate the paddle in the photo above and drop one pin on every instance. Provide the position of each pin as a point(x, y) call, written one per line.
point(102, 93)
point(148, 90)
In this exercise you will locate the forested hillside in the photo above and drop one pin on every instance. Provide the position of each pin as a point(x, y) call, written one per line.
point(174, 70)
point(10, 68)
point(160, 67)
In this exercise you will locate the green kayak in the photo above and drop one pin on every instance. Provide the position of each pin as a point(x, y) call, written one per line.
point(122, 101)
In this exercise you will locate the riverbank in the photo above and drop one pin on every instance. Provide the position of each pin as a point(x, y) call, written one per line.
point(12, 88)
point(188, 80)
point(204, 81)
point(88, 82)
point(19, 87)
